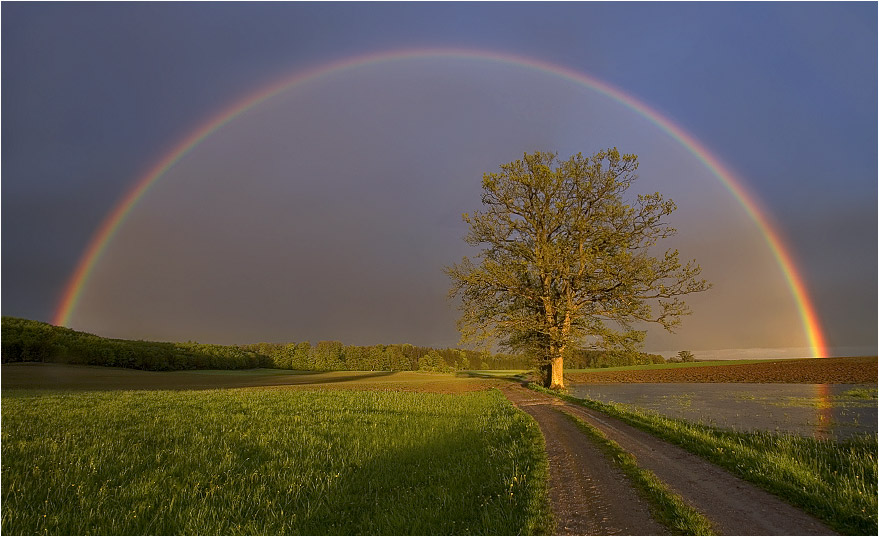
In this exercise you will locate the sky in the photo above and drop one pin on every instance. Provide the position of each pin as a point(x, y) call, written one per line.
point(328, 210)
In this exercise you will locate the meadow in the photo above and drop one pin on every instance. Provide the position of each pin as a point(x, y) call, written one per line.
point(270, 461)
point(42, 376)
point(98, 450)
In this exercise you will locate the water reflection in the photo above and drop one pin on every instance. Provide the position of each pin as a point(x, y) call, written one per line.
point(820, 410)
point(824, 410)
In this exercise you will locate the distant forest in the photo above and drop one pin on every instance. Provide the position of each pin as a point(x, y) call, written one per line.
point(24, 340)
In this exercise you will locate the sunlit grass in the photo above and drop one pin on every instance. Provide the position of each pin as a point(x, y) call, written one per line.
point(859, 393)
point(833, 480)
point(270, 461)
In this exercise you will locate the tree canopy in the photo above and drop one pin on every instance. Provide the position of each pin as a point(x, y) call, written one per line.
point(566, 262)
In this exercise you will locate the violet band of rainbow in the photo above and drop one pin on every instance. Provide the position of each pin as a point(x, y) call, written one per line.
point(111, 223)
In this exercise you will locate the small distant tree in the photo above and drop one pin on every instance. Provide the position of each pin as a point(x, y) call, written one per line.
point(567, 262)
point(686, 356)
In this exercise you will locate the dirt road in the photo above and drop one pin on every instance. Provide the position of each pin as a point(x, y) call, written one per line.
point(589, 498)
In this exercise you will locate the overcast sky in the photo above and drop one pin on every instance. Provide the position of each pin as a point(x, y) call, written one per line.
point(328, 211)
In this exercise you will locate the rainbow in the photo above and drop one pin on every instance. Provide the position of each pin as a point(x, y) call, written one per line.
point(105, 233)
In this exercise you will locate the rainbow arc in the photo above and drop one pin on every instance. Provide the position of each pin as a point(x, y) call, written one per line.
point(112, 222)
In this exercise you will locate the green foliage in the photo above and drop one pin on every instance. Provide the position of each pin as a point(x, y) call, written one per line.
point(834, 480)
point(432, 361)
point(335, 356)
point(566, 261)
point(686, 356)
point(33, 341)
point(270, 462)
point(860, 393)
point(589, 359)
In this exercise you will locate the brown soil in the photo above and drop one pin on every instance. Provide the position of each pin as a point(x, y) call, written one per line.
point(855, 370)
point(734, 506)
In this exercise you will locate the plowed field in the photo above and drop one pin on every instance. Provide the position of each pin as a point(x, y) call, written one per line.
point(850, 370)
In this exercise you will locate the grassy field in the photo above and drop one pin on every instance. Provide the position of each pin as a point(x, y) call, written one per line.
point(270, 461)
point(115, 451)
point(43, 376)
point(835, 481)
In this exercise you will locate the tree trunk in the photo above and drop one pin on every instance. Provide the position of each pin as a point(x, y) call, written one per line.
point(556, 377)
point(545, 371)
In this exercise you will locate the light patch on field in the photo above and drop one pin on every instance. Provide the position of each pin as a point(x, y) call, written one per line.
point(42, 376)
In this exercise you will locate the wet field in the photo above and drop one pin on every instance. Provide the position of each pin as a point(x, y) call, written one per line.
point(819, 410)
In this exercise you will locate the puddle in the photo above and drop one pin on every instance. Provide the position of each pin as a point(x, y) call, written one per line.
point(820, 410)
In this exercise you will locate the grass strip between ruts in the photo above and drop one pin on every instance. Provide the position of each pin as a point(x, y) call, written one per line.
point(835, 481)
point(667, 508)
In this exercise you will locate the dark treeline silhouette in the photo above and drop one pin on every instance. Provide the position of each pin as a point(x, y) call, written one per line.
point(33, 341)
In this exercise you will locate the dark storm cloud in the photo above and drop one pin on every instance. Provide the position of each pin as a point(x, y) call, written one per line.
point(94, 94)
point(329, 211)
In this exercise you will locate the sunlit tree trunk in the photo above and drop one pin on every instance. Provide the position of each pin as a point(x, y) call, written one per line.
point(553, 377)
point(557, 380)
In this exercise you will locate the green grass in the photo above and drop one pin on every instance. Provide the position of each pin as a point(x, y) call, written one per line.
point(860, 393)
point(667, 507)
point(835, 481)
point(270, 461)
point(859, 397)
point(65, 377)
point(676, 365)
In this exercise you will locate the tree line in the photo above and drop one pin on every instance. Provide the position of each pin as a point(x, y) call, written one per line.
point(25, 340)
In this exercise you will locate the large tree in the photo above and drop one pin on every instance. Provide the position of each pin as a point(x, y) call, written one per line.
point(566, 262)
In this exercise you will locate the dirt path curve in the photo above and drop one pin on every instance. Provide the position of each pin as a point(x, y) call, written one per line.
point(734, 506)
point(589, 495)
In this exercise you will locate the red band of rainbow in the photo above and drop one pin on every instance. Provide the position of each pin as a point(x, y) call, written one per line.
point(104, 235)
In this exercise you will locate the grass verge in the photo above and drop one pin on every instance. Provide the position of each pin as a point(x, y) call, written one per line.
point(667, 508)
point(834, 481)
point(270, 461)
